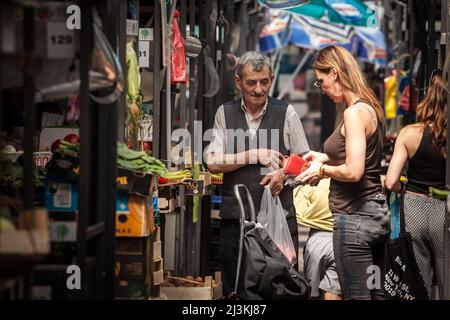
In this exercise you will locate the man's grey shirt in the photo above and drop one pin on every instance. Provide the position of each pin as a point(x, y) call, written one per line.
point(293, 136)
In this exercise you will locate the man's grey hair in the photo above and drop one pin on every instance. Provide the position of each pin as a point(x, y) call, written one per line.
point(255, 59)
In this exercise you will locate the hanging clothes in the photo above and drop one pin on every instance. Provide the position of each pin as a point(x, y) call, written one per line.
point(390, 99)
point(403, 103)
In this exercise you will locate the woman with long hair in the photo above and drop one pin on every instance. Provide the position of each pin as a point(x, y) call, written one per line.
point(352, 159)
point(423, 146)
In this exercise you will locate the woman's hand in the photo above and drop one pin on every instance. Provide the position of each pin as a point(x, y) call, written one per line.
point(316, 156)
point(312, 174)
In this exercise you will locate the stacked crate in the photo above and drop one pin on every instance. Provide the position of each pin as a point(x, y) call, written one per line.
point(134, 265)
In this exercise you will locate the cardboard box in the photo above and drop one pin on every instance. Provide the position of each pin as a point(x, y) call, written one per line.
point(168, 205)
point(61, 196)
point(133, 183)
point(63, 168)
point(158, 277)
point(156, 250)
point(134, 215)
point(215, 214)
point(133, 268)
point(168, 192)
point(194, 187)
point(158, 271)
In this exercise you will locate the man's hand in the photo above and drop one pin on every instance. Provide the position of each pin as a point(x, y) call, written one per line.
point(275, 180)
point(267, 157)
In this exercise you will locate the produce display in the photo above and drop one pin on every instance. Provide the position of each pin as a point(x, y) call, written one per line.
point(173, 177)
point(68, 149)
point(11, 175)
point(139, 161)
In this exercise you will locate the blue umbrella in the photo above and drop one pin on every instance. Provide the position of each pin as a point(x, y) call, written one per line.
point(304, 32)
point(368, 44)
point(351, 12)
point(371, 45)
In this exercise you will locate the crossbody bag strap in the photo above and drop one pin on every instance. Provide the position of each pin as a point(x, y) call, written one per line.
point(402, 208)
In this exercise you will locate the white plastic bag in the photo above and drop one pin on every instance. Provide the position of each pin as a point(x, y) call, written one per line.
point(272, 217)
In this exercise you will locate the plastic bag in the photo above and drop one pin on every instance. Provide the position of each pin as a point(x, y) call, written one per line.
point(178, 65)
point(272, 217)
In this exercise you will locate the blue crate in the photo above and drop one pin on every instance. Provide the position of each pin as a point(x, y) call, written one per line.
point(216, 199)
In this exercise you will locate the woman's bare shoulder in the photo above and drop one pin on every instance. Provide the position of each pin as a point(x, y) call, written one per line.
point(411, 134)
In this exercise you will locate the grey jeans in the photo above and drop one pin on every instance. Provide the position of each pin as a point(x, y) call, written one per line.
point(358, 244)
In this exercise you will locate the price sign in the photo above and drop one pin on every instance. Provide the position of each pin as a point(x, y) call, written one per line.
point(145, 133)
point(60, 41)
point(145, 34)
point(51, 120)
point(132, 27)
point(42, 158)
point(144, 54)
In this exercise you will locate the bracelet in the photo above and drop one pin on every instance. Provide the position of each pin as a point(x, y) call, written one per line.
point(322, 171)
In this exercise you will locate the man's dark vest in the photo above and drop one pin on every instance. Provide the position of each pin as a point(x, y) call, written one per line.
point(251, 175)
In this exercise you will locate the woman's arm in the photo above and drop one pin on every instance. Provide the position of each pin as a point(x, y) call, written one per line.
point(355, 149)
point(397, 163)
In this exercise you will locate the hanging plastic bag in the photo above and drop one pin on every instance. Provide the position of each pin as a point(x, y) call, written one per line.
point(272, 217)
point(106, 79)
point(178, 66)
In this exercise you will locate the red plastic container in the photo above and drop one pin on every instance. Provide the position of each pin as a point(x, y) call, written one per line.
point(294, 165)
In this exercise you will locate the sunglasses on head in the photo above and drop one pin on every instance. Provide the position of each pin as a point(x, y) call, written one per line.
point(318, 83)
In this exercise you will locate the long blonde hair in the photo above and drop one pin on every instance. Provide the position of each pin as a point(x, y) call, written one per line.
point(432, 112)
point(349, 73)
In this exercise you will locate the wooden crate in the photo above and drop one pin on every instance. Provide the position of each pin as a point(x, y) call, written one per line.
point(168, 205)
point(156, 250)
point(158, 272)
point(208, 292)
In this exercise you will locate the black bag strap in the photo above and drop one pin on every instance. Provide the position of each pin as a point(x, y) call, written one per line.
point(401, 209)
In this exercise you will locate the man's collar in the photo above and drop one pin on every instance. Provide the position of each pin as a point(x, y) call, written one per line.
point(263, 111)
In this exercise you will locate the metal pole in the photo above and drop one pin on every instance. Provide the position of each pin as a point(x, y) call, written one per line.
point(86, 191)
point(30, 110)
point(169, 36)
point(156, 136)
point(277, 63)
point(447, 220)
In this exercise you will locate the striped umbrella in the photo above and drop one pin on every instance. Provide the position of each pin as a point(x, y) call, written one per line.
point(367, 44)
point(371, 45)
point(350, 12)
point(304, 32)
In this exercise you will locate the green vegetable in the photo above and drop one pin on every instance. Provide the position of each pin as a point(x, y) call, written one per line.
point(139, 161)
point(134, 94)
